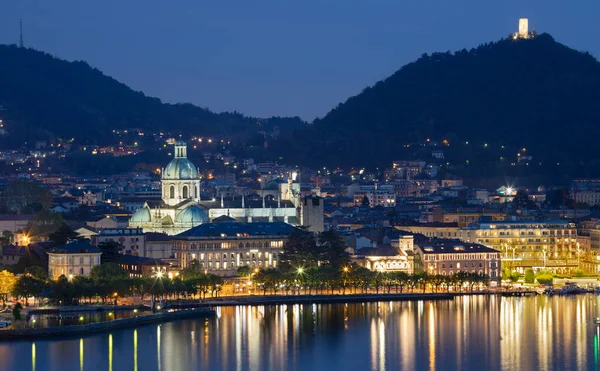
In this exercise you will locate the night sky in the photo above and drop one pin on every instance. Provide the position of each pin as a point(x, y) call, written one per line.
point(277, 57)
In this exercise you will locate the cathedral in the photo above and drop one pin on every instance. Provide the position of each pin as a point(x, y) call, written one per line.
point(181, 208)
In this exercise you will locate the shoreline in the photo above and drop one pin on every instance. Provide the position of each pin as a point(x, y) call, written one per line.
point(322, 299)
point(187, 310)
point(66, 331)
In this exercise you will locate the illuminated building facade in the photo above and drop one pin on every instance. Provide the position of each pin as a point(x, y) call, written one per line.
point(447, 257)
point(181, 209)
point(221, 248)
point(73, 259)
point(539, 245)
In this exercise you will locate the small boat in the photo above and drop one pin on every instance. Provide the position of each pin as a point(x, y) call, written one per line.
point(570, 288)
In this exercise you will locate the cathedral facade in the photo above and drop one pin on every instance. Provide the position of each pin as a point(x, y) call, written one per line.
point(181, 208)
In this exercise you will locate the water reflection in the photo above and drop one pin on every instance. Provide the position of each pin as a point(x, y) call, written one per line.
point(490, 333)
point(33, 356)
point(81, 354)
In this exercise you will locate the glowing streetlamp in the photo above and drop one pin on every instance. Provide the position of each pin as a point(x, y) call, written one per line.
point(345, 270)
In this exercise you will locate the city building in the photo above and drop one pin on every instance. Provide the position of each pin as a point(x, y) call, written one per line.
point(523, 244)
point(464, 217)
point(447, 257)
point(377, 195)
point(312, 214)
point(181, 208)
point(158, 246)
point(73, 259)
point(221, 248)
point(132, 239)
point(10, 255)
point(138, 266)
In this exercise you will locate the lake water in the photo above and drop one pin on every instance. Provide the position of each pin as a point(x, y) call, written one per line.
point(466, 333)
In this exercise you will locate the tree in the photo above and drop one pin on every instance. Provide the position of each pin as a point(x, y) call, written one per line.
point(7, 283)
point(25, 196)
point(37, 272)
point(514, 276)
point(16, 312)
point(109, 272)
point(27, 286)
point(529, 276)
point(544, 277)
point(333, 249)
point(522, 201)
point(110, 251)
point(299, 250)
point(244, 271)
point(365, 201)
point(62, 235)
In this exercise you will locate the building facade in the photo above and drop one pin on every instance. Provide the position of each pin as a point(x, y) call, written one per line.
point(181, 208)
point(132, 239)
point(73, 259)
point(539, 245)
point(313, 214)
point(221, 248)
point(447, 257)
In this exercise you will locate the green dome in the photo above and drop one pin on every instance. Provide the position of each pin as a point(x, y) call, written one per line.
point(180, 168)
point(141, 216)
point(192, 214)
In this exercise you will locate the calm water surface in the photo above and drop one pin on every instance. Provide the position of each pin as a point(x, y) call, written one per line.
point(467, 333)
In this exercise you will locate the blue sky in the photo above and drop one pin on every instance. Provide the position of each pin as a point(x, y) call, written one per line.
point(283, 57)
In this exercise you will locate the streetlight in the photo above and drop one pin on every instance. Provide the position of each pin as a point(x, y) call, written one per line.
point(345, 270)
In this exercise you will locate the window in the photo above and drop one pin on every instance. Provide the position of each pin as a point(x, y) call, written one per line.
point(81, 271)
point(80, 260)
point(196, 191)
point(185, 192)
point(172, 192)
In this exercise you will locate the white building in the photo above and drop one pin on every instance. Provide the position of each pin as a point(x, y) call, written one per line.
point(181, 209)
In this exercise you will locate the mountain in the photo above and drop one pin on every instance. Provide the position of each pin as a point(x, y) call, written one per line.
point(42, 96)
point(487, 103)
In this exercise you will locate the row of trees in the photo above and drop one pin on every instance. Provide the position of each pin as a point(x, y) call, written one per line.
point(320, 264)
point(107, 282)
point(356, 279)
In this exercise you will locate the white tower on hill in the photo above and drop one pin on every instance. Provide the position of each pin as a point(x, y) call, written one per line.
point(523, 32)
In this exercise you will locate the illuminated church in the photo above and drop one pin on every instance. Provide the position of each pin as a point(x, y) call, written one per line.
point(181, 208)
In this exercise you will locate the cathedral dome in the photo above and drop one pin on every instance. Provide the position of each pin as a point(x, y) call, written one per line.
point(141, 216)
point(180, 168)
point(191, 215)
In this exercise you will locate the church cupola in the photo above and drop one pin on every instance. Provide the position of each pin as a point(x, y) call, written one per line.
point(180, 149)
point(180, 178)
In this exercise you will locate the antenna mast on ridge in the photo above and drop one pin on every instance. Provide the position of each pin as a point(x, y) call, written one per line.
point(21, 35)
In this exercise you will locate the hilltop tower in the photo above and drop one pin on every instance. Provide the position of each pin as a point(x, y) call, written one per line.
point(523, 32)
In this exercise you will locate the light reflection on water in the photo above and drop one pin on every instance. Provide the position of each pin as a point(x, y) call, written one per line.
point(488, 333)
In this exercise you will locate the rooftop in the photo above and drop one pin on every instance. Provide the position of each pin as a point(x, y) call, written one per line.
point(448, 246)
point(140, 260)
point(76, 247)
point(238, 230)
